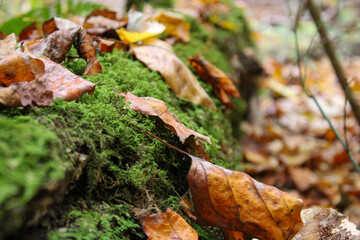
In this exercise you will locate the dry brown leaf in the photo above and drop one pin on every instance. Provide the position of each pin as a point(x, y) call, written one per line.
point(104, 13)
point(2, 35)
point(187, 207)
point(303, 178)
point(9, 96)
point(232, 235)
point(168, 225)
point(222, 84)
point(88, 47)
point(103, 22)
point(30, 33)
point(326, 223)
point(55, 24)
point(234, 201)
point(175, 24)
point(154, 107)
point(56, 45)
point(176, 74)
point(7, 45)
point(20, 67)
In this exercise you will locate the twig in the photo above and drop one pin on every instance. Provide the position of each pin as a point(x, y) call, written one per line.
point(330, 51)
point(308, 93)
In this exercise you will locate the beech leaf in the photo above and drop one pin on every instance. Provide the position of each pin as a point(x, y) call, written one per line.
point(176, 74)
point(55, 24)
point(234, 201)
point(167, 225)
point(326, 223)
point(30, 33)
point(222, 84)
point(154, 107)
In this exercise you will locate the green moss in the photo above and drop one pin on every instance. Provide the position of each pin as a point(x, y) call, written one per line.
point(101, 222)
point(29, 159)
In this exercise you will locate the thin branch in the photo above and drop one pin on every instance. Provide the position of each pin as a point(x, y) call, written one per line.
point(330, 51)
point(308, 93)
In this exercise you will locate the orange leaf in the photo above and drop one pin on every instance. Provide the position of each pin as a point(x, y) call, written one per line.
point(20, 67)
point(232, 235)
point(168, 225)
point(222, 84)
point(154, 107)
point(234, 201)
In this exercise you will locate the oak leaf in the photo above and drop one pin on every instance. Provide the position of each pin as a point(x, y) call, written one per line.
point(234, 201)
point(167, 225)
point(158, 56)
point(154, 107)
point(222, 84)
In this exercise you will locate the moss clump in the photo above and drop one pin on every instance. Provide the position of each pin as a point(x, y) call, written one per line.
point(29, 159)
point(101, 222)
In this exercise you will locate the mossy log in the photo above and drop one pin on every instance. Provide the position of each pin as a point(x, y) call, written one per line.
point(78, 170)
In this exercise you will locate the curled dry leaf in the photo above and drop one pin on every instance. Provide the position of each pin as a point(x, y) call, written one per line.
point(30, 33)
point(154, 107)
point(158, 56)
point(88, 47)
point(20, 67)
point(175, 24)
point(56, 45)
point(222, 84)
point(55, 24)
point(168, 225)
point(234, 201)
point(326, 223)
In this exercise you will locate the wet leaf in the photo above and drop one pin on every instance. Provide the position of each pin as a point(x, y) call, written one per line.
point(222, 84)
point(326, 223)
point(30, 33)
point(168, 225)
point(158, 56)
point(175, 24)
point(234, 201)
point(88, 47)
point(56, 45)
point(154, 107)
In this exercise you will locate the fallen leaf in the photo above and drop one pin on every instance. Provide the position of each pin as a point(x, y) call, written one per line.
point(325, 223)
point(20, 67)
point(234, 201)
point(104, 13)
point(57, 82)
point(7, 45)
point(222, 84)
point(168, 225)
point(303, 178)
point(30, 33)
point(56, 45)
point(175, 24)
point(88, 47)
point(2, 35)
point(154, 107)
point(232, 235)
point(176, 74)
point(103, 22)
point(55, 24)
point(187, 207)
point(139, 28)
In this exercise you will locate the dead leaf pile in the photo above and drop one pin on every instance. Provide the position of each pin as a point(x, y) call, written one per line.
point(295, 148)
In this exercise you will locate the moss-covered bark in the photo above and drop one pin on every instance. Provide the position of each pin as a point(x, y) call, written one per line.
point(81, 169)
